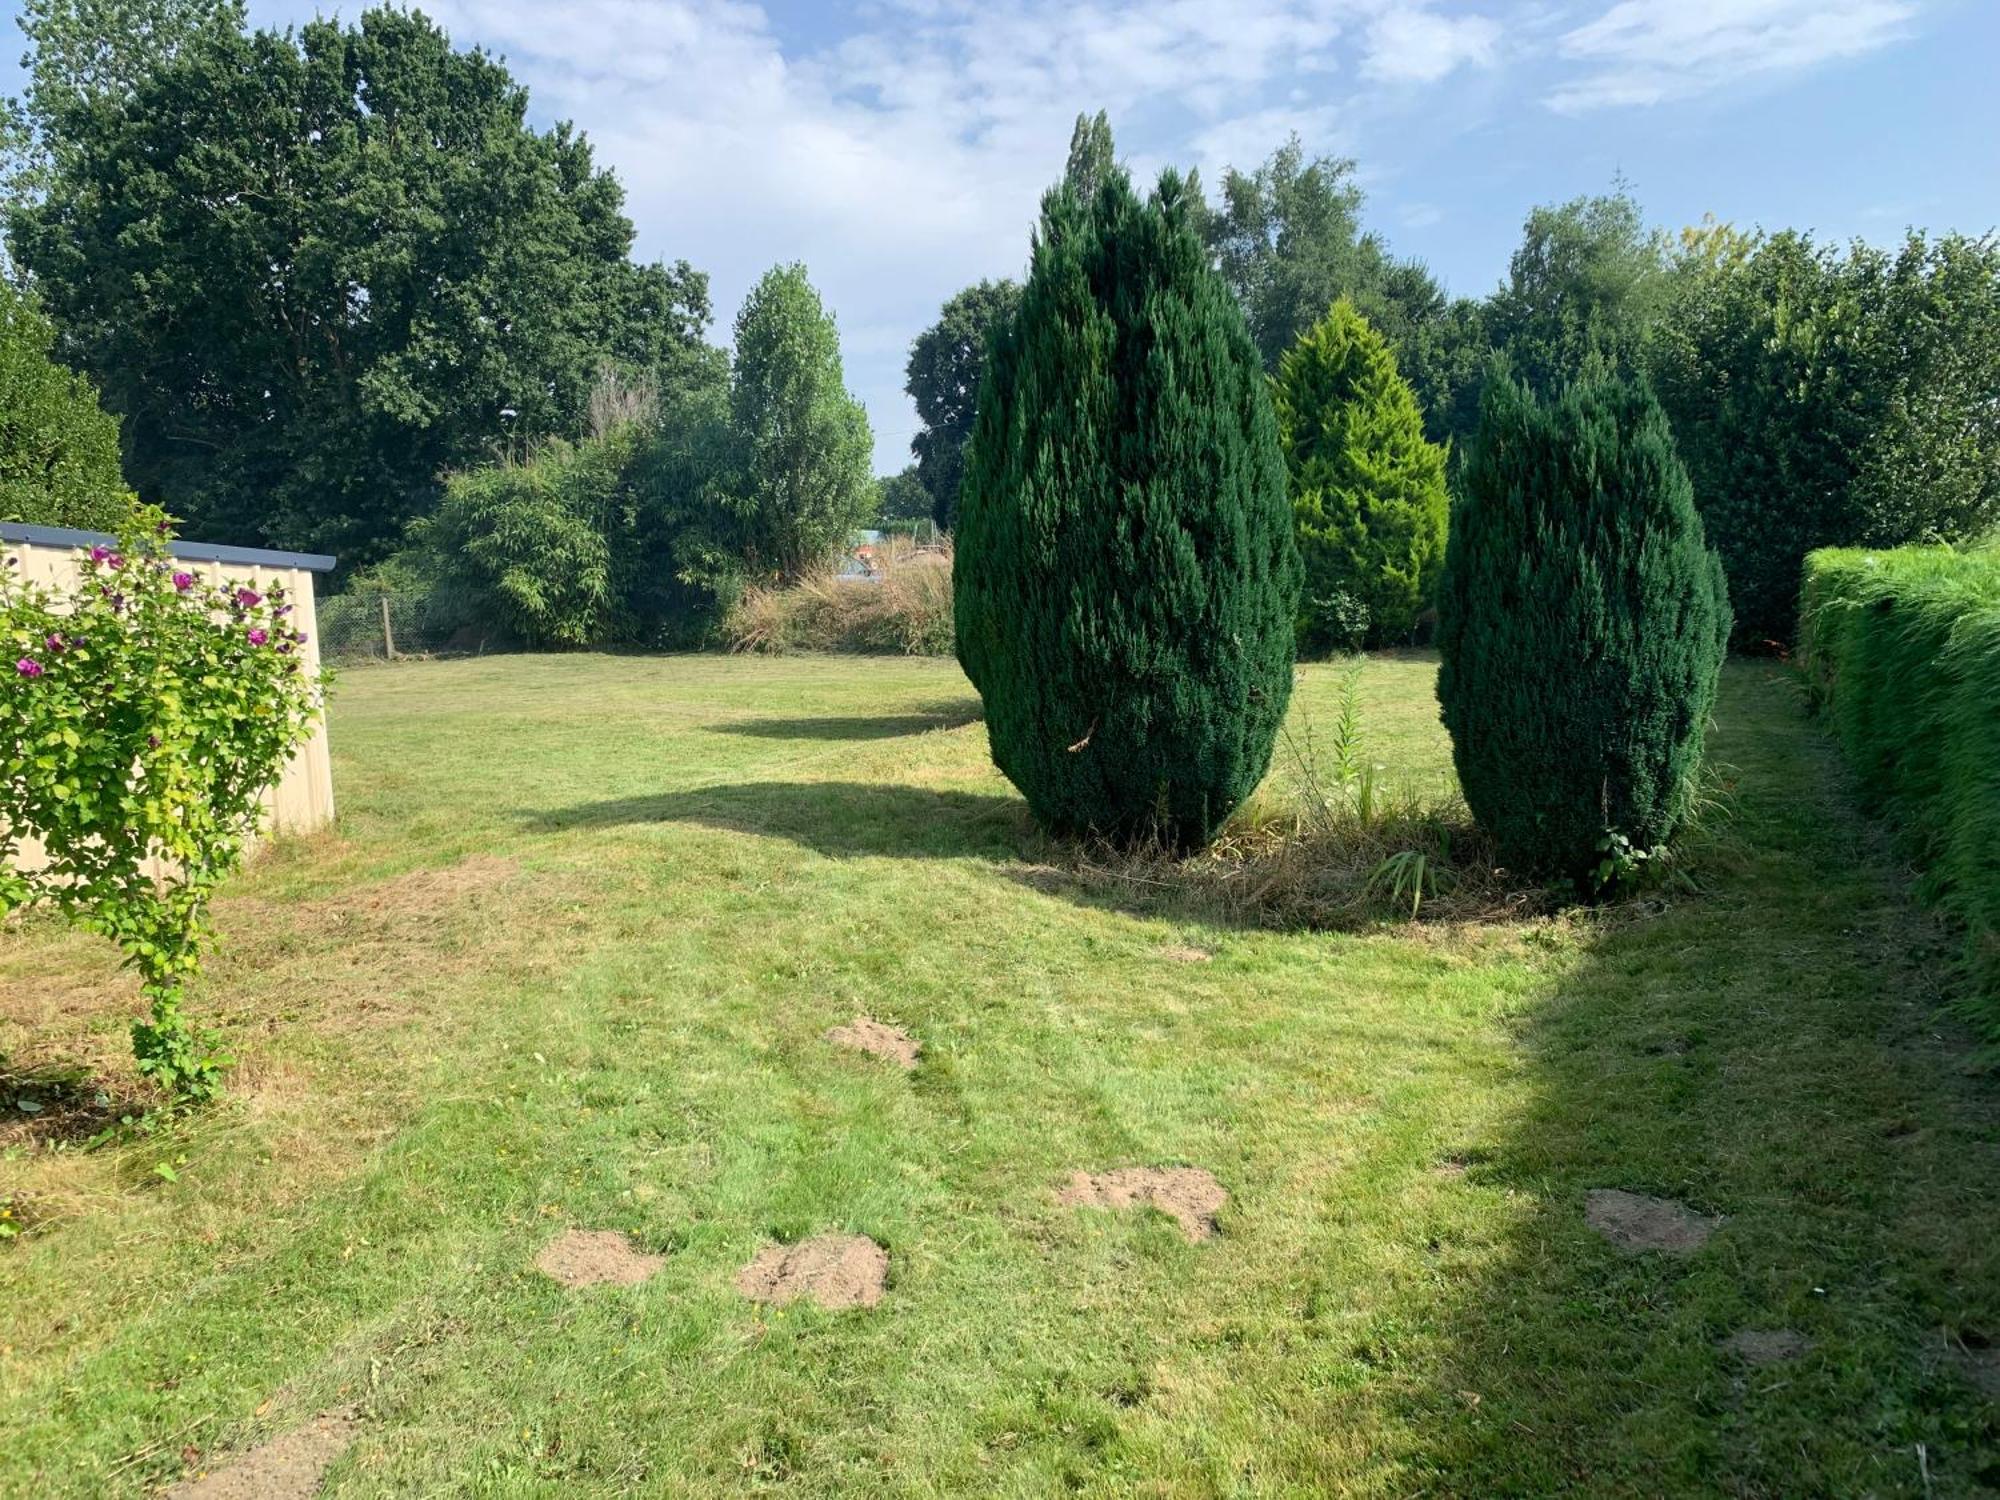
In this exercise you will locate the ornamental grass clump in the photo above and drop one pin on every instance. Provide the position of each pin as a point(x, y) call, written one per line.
point(142, 715)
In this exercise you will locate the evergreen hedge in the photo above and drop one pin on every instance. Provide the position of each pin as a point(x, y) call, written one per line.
point(1902, 652)
point(1368, 490)
point(1582, 619)
point(1126, 580)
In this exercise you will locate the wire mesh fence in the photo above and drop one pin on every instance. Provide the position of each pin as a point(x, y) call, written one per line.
point(384, 627)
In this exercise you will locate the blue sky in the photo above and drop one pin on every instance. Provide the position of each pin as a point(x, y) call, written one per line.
point(898, 147)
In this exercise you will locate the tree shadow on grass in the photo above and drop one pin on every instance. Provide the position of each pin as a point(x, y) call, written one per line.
point(954, 714)
point(1769, 1054)
point(842, 819)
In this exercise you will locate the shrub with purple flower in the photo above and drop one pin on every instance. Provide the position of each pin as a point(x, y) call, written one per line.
point(142, 723)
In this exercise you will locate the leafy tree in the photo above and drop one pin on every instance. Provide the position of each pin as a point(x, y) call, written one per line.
point(1830, 399)
point(802, 483)
point(1093, 159)
point(525, 549)
point(86, 54)
point(58, 448)
point(1287, 238)
point(314, 271)
point(1582, 292)
point(1582, 619)
point(1125, 579)
point(946, 362)
point(1368, 490)
point(904, 497)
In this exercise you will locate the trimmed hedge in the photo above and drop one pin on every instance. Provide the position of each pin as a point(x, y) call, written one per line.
point(1902, 652)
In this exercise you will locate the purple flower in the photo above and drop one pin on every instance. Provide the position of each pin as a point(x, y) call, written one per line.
point(99, 552)
point(183, 581)
point(55, 642)
point(299, 636)
point(258, 637)
point(116, 560)
point(27, 666)
point(152, 742)
point(248, 598)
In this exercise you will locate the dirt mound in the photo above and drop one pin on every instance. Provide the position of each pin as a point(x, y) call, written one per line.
point(1189, 1195)
point(592, 1257)
point(289, 1467)
point(1633, 1221)
point(1765, 1346)
point(877, 1039)
point(834, 1270)
point(1185, 953)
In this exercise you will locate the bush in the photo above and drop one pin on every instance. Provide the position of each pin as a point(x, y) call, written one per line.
point(1825, 399)
point(58, 447)
point(1126, 582)
point(1368, 491)
point(1582, 620)
point(142, 716)
point(526, 548)
point(902, 608)
point(1902, 653)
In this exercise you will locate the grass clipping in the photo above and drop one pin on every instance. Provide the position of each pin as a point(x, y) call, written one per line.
point(1341, 849)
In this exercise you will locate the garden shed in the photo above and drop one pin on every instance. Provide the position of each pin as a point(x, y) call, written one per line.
point(303, 798)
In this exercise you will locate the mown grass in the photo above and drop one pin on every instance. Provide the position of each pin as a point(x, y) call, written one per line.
point(568, 962)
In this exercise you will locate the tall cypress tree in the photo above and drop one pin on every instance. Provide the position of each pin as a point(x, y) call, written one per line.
point(1367, 488)
point(1126, 579)
point(1582, 618)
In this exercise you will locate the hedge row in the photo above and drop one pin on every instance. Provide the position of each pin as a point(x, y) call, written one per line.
point(1902, 649)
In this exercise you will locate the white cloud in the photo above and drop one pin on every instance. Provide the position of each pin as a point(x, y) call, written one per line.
point(1411, 44)
point(1642, 52)
point(906, 155)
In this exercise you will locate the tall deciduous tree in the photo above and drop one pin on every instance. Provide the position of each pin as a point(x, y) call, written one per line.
point(803, 480)
point(313, 271)
point(1582, 292)
point(1126, 579)
point(946, 363)
point(1368, 490)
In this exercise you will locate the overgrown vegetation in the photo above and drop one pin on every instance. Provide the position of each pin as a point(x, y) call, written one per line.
point(1902, 651)
point(1582, 620)
point(1126, 580)
point(901, 605)
point(142, 717)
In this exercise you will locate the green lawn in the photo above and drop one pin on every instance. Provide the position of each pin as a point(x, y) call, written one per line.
point(568, 962)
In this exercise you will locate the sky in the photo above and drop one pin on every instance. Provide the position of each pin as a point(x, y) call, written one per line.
point(899, 147)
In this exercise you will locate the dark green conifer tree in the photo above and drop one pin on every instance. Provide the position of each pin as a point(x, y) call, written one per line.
point(1368, 490)
point(1582, 619)
point(1126, 580)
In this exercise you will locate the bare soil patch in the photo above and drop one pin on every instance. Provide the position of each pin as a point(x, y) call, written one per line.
point(1636, 1222)
point(594, 1257)
point(289, 1467)
point(1190, 1196)
point(1766, 1346)
point(878, 1039)
point(833, 1270)
point(1185, 953)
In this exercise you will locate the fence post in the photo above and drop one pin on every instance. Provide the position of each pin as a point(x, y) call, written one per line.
point(388, 635)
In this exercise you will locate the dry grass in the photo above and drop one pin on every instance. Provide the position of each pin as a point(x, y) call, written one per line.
point(902, 609)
